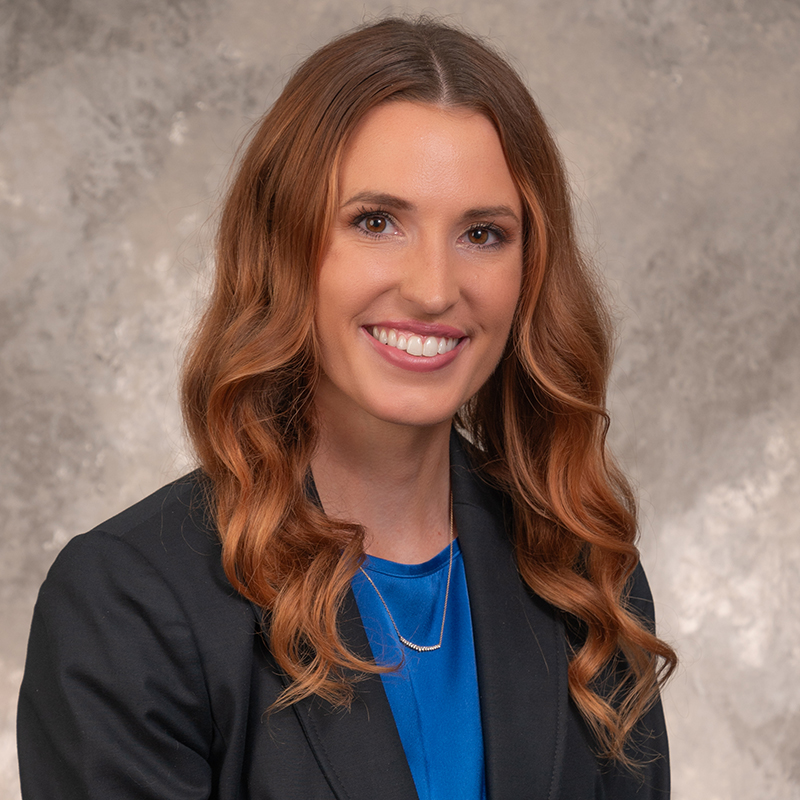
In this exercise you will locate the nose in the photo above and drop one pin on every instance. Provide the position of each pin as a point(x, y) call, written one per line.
point(429, 279)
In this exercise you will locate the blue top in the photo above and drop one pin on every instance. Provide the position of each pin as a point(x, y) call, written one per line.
point(434, 695)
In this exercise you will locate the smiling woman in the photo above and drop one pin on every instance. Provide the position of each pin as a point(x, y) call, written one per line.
point(405, 566)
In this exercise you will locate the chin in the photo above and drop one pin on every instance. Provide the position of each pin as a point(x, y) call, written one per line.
point(413, 417)
point(363, 404)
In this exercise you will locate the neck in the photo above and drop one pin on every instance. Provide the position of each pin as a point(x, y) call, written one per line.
point(392, 479)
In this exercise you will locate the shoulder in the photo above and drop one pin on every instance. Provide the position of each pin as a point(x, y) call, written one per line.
point(170, 530)
point(159, 560)
point(176, 511)
point(475, 488)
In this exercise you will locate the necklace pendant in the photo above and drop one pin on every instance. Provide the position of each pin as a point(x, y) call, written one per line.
point(420, 648)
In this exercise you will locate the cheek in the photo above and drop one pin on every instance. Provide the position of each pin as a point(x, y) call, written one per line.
point(500, 297)
point(348, 279)
point(335, 294)
point(503, 293)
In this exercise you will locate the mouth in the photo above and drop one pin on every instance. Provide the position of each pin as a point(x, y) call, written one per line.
point(413, 343)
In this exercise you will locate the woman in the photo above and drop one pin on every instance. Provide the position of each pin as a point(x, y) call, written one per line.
point(406, 565)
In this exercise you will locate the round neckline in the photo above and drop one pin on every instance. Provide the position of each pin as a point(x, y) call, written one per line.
point(399, 570)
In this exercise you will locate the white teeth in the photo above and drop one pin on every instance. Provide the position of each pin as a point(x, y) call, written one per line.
point(415, 345)
point(431, 347)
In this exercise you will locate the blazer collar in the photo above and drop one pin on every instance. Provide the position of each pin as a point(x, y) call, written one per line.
point(521, 662)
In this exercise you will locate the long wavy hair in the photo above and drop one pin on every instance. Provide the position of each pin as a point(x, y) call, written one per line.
point(538, 426)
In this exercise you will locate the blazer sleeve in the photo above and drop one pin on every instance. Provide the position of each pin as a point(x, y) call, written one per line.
point(113, 702)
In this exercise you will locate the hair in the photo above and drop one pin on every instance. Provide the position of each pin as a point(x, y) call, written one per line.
point(538, 426)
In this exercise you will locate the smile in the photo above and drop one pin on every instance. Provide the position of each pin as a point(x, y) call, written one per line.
point(414, 344)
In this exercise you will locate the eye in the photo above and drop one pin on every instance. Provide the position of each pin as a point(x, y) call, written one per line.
point(479, 235)
point(374, 223)
point(484, 236)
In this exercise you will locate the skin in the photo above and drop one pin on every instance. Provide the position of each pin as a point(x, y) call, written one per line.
point(427, 240)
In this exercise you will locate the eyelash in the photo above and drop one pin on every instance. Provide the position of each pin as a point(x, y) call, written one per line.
point(365, 213)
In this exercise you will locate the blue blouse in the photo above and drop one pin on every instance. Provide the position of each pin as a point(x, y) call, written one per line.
point(433, 695)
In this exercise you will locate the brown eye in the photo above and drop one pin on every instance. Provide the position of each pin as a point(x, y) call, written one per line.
point(375, 224)
point(479, 235)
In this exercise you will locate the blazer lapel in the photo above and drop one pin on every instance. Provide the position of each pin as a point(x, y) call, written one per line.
point(519, 648)
point(358, 750)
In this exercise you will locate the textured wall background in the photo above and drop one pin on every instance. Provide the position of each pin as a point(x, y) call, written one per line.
point(681, 122)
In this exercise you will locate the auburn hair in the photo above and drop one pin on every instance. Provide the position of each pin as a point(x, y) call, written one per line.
point(537, 427)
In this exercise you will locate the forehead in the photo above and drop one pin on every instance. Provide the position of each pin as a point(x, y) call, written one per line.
point(424, 152)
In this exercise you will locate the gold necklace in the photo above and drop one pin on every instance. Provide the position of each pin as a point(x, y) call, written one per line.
point(421, 648)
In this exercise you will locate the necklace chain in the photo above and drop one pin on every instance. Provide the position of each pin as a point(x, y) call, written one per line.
point(421, 648)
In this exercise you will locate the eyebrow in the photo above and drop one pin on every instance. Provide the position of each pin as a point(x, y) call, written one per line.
point(490, 211)
point(380, 199)
point(392, 201)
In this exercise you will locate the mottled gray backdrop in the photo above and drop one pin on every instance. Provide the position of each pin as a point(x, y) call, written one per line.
point(680, 120)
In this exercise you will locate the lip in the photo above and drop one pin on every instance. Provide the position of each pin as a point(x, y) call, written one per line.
point(420, 328)
point(400, 358)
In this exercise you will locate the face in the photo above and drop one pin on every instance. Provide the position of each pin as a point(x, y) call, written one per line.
point(422, 271)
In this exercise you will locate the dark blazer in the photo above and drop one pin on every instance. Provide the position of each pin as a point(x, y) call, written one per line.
point(147, 678)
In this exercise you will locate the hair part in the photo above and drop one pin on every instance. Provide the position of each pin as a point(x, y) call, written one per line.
point(538, 425)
